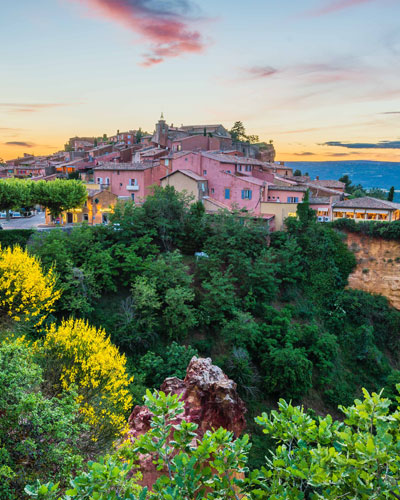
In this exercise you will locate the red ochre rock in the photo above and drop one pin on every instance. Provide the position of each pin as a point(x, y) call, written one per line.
point(210, 399)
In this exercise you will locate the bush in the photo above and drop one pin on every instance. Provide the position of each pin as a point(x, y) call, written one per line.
point(12, 237)
point(39, 436)
point(26, 293)
point(77, 357)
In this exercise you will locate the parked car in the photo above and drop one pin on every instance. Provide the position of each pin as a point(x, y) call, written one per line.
point(16, 214)
point(3, 215)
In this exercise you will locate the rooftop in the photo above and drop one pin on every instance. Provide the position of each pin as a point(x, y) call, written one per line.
point(274, 187)
point(368, 202)
point(332, 184)
point(188, 173)
point(122, 166)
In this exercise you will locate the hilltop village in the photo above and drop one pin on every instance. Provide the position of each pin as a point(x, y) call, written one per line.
point(221, 171)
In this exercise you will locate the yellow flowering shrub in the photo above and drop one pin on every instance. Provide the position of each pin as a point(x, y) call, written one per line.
point(26, 292)
point(87, 362)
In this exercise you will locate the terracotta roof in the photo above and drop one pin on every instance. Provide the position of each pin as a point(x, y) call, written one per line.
point(368, 202)
point(329, 184)
point(123, 166)
point(274, 187)
point(223, 158)
point(188, 173)
point(320, 200)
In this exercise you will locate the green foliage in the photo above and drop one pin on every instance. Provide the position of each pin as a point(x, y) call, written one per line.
point(169, 362)
point(391, 194)
point(311, 457)
point(59, 195)
point(238, 133)
point(13, 237)
point(326, 459)
point(39, 436)
point(385, 230)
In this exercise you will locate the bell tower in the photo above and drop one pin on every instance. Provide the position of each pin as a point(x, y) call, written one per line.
point(161, 135)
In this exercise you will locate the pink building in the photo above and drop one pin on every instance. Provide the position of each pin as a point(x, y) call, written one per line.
point(129, 180)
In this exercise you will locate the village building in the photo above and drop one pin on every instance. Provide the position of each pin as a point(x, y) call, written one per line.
point(129, 180)
point(96, 209)
point(366, 208)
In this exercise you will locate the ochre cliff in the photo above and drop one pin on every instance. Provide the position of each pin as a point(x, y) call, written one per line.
point(378, 266)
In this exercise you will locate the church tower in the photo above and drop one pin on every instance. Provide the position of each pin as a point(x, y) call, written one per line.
point(161, 135)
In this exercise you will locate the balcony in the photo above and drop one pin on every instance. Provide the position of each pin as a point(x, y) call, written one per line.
point(130, 187)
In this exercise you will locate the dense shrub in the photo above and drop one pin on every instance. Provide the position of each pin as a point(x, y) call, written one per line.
point(78, 357)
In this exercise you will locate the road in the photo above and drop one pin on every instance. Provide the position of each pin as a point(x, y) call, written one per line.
point(24, 222)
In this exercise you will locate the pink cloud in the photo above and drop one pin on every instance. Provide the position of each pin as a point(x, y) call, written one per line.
point(165, 25)
point(337, 5)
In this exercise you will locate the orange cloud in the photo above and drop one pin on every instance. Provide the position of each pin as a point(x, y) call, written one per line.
point(16, 107)
point(337, 5)
point(165, 25)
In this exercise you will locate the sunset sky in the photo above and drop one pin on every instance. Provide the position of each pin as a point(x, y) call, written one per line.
point(321, 78)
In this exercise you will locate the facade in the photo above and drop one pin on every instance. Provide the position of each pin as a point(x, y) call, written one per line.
point(96, 210)
point(129, 180)
point(186, 180)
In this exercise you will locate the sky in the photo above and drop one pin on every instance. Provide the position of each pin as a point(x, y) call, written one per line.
point(321, 78)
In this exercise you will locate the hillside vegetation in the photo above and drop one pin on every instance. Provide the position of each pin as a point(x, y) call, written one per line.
point(272, 311)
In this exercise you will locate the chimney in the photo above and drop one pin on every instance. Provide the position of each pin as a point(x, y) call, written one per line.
point(317, 178)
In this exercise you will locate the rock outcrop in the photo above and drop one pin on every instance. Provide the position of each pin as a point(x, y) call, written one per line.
point(378, 266)
point(210, 399)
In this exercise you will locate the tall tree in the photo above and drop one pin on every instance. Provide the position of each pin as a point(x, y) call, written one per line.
point(14, 194)
point(60, 195)
point(391, 194)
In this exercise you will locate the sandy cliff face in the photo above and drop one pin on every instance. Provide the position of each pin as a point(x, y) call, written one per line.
point(378, 266)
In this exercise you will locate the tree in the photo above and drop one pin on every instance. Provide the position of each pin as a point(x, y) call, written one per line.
point(238, 134)
point(26, 293)
point(139, 135)
point(391, 194)
point(297, 172)
point(78, 357)
point(346, 180)
point(15, 194)
point(306, 214)
point(60, 195)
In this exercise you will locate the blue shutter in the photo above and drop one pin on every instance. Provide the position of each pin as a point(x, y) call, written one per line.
point(242, 194)
point(227, 194)
point(249, 194)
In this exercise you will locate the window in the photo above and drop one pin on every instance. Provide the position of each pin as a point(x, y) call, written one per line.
point(117, 172)
point(203, 187)
point(132, 182)
point(246, 194)
point(107, 180)
point(86, 217)
point(292, 199)
point(228, 172)
point(239, 168)
point(167, 162)
point(248, 168)
point(133, 196)
point(227, 194)
point(99, 180)
point(212, 190)
point(204, 172)
point(129, 136)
